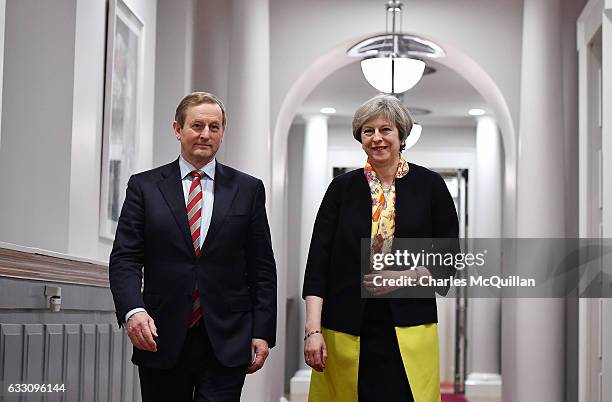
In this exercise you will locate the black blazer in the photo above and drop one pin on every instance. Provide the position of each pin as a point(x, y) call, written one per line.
point(423, 208)
point(235, 271)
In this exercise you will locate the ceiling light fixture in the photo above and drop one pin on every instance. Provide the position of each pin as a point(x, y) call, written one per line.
point(414, 135)
point(327, 110)
point(392, 72)
point(476, 112)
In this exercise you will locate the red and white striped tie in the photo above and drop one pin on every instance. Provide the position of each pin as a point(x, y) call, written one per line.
point(194, 213)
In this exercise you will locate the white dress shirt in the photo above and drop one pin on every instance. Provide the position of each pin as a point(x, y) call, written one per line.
point(208, 197)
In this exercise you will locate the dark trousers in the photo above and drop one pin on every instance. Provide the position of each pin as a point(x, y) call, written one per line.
point(198, 375)
point(382, 377)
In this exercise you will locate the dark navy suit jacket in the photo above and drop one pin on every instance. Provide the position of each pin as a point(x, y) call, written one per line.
point(235, 272)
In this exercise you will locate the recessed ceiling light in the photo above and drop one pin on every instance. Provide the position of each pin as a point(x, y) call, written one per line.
point(328, 110)
point(476, 112)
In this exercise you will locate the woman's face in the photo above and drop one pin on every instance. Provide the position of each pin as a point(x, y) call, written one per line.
point(380, 140)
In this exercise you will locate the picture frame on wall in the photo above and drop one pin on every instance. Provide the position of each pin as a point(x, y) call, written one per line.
point(122, 111)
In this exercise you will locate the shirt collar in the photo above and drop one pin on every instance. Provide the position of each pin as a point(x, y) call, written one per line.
point(208, 169)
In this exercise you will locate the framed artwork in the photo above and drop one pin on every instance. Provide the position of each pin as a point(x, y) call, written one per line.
point(122, 111)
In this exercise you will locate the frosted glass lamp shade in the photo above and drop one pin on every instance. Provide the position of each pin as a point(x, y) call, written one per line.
point(392, 74)
point(414, 135)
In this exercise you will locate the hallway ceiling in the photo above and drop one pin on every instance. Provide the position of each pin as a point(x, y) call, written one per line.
point(445, 93)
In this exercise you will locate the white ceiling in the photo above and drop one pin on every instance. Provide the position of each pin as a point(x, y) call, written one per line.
point(445, 93)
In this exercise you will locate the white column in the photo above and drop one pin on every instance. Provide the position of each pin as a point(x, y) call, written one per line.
point(248, 137)
point(533, 346)
point(246, 146)
point(487, 222)
point(314, 183)
point(315, 178)
point(484, 315)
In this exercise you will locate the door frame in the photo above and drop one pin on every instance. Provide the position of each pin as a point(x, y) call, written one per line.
point(595, 325)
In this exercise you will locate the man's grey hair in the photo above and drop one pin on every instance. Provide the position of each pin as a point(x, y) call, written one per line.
point(391, 108)
point(195, 99)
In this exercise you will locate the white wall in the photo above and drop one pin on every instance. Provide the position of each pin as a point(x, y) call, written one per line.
point(37, 123)
point(211, 52)
point(146, 10)
point(2, 20)
point(87, 120)
point(173, 72)
point(211, 47)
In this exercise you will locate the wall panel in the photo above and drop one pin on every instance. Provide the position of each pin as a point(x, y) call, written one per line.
point(102, 361)
point(54, 352)
point(88, 339)
point(11, 341)
point(117, 341)
point(71, 367)
point(33, 350)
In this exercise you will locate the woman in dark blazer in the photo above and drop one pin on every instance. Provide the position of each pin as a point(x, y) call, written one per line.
point(368, 348)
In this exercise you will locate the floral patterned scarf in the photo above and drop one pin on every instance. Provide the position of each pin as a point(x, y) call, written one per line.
point(383, 207)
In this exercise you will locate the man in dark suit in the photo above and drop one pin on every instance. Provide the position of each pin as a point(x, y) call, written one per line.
point(198, 231)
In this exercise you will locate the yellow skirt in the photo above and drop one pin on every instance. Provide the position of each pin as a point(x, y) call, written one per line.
point(419, 349)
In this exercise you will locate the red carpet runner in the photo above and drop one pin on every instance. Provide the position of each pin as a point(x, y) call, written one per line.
point(453, 398)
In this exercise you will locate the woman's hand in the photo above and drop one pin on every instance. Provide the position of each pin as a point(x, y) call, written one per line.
point(315, 352)
point(382, 282)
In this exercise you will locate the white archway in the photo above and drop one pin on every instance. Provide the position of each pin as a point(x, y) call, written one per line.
point(335, 59)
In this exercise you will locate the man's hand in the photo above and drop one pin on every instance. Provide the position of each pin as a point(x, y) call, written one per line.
point(259, 353)
point(141, 330)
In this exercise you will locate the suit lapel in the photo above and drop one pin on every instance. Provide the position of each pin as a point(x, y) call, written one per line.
point(225, 192)
point(171, 188)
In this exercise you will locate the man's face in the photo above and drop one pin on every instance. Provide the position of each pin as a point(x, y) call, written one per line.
point(201, 134)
